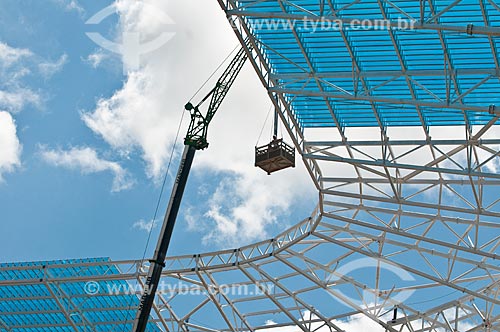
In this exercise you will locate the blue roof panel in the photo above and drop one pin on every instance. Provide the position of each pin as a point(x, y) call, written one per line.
point(378, 75)
point(54, 296)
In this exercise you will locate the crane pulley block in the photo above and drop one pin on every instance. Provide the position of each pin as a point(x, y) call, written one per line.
point(197, 133)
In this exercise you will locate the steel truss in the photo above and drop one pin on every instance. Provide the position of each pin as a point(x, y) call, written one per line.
point(294, 279)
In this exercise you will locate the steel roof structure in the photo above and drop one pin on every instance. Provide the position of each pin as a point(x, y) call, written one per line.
point(54, 296)
point(392, 106)
point(378, 63)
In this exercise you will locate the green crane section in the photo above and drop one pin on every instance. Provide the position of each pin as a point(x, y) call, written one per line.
point(197, 132)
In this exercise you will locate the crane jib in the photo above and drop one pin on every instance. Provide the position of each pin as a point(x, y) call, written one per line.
point(196, 139)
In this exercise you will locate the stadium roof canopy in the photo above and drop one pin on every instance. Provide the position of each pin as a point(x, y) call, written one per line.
point(69, 295)
point(378, 63)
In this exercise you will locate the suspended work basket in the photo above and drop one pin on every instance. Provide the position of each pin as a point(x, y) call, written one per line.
point(274, 156)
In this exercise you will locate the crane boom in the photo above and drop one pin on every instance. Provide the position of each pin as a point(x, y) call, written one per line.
point(197, 132)
point(196, 139)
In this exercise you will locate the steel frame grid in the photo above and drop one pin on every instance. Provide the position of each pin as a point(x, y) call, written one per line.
point(287, 270)
point(41, 296)
point(399, 199)
point(390, 77)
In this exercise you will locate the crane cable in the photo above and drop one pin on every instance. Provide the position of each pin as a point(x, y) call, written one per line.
point(264, 125)
point(272, 127)
point(214, 72)
point(173, 150)
point(153, 221)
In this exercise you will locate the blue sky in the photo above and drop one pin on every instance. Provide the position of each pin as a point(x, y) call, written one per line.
point(84, 146)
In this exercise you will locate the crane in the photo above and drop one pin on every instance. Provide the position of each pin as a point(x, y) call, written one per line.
point(196, 139)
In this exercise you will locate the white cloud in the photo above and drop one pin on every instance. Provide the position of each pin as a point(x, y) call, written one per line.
point(15, 94)
point(135, 117)
point(96, 59)
point(16, 64)
point(144, 225)
point(10, 148)
point(16, 99)
point(87, 161)
point(143, 115)
point(246, 202)
point(149, 17)
point(70, 5)
point(48, 69)
point(361, 323)
point(357, 322)
point(10, 55)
